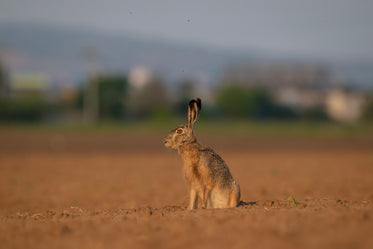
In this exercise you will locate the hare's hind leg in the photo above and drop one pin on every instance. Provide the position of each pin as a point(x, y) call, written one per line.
point(233, 200)
point(234, 197)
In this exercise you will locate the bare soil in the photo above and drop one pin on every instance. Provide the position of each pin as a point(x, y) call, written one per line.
point(127, 191)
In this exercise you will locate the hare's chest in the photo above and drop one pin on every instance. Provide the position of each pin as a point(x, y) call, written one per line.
point(196, 173)
point(191, 171)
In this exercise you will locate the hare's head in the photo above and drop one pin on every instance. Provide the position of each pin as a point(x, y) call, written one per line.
point(183, 134)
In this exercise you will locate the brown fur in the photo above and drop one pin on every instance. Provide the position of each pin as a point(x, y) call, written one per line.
point(210, 182)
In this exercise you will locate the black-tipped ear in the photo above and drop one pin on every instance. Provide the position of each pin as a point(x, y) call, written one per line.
point(194, 108)
point(199, 104)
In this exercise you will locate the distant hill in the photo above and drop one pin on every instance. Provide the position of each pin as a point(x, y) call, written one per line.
point(64, 53)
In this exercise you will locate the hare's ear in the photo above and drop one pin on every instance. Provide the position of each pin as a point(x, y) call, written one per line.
point(193, 111)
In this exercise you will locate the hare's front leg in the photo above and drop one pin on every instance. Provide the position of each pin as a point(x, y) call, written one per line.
point(206, 197)
point(193, 199)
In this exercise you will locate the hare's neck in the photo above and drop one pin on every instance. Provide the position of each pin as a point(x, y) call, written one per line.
point(189, 151)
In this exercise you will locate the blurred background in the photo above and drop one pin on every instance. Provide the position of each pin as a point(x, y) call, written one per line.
point(89, 89)
point(75, 62)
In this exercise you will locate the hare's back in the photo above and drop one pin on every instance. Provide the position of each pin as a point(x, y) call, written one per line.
point(218, 168)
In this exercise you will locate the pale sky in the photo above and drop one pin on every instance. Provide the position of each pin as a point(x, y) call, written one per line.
point(332, 29)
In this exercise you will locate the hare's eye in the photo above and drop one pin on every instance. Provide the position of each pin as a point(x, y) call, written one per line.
point(179, 131)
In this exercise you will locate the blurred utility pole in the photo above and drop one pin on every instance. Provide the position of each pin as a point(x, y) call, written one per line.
point(4, 81)
point(91, 92)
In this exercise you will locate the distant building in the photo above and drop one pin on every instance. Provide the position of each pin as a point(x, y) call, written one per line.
point(139, 77)
point(21, 84)
point(297, 85)
point(345, 105)
point(300, 86)
point(298, 97)
point(273, 75)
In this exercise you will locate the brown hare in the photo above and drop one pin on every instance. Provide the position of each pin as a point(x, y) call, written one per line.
point(210, 182)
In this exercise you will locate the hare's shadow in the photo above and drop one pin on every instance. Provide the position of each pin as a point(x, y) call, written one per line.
point(246, 204)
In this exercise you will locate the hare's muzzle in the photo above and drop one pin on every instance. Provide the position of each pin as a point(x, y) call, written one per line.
point(168, 143)
point(165, 141)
